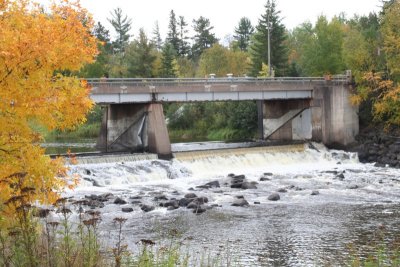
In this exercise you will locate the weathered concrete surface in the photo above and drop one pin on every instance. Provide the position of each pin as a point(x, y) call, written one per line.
point(287, 119)
point(328, 117)
point(157, 131)
point(272, 125)
point(334, 118)
point(134, 128)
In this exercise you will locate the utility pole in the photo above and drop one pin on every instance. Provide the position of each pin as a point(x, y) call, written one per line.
point(269, 42)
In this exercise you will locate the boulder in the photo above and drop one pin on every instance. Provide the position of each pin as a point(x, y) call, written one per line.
point(190, 195)
point(213, 184)
point(247, 185)
point(282, 190)
point(172, 203)
point(183, 202)
point(147, 208)
point(353, 186)
point(274, 197)
point(200, 209)
point(315, 192)
point(240, 202)
point(201, 200)
point(120, 201)
point(127, 209)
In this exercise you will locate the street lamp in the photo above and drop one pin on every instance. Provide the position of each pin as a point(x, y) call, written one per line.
point(269, 44)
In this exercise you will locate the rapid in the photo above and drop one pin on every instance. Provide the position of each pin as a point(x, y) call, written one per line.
point(328, 202)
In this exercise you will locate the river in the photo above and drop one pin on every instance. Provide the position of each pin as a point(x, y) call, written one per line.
point(331, 207)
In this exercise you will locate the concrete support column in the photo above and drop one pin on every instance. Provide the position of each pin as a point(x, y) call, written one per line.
point(336, 119)
point(134, 128)
point(157, 131)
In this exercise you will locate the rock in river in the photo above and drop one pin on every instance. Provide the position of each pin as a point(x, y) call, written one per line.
point(274, 197)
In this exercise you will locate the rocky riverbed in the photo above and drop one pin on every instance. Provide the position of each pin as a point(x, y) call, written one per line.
point(379, 148)
point(286, 208)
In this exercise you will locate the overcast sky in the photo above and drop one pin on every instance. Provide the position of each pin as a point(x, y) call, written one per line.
point(224, 15)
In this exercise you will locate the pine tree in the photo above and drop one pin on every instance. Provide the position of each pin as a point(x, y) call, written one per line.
point(259, 44)
point(157, 37)
point(122, 26)
point(184, 47)
point(140, 57)
point(168, 61)
point(203, 38)
point(173, 35)
point(243, 33)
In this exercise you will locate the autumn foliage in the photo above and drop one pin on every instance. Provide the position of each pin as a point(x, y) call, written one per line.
point(36, 48)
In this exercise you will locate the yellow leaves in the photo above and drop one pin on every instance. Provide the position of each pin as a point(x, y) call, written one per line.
point(33, 47)
point(385, 97)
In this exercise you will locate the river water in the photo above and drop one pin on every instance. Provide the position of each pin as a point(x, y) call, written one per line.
point(356, 208)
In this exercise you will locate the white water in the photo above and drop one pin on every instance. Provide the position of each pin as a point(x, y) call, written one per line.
point(299, 229)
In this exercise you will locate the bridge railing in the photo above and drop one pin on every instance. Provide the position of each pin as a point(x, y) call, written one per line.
point(140, 82)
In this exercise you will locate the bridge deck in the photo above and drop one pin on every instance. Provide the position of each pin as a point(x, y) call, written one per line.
point(108, 91)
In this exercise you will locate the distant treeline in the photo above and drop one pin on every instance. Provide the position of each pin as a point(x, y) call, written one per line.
point(367, 45)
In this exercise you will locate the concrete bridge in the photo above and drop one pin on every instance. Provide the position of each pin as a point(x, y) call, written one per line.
point(289, 108)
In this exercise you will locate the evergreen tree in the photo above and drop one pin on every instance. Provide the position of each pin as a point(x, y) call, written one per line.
point(140, 56)
point(173, 35)
point(184, 47)
point(122, 26)
point(99, 68)
point(157, 37)
point(259, 44)
point(168, 62)
point(243, 32)
point(203, 38)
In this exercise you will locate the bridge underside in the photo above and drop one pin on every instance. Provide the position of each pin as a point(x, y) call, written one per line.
point(323, 113)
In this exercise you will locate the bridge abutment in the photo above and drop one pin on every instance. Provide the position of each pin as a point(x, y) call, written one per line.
point(134, 128)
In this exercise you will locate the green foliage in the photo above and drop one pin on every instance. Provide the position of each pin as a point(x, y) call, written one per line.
point(221, 61)
point(157, 41)
point(99, 68)
point(168, 62)
point(323, 48)
point(213, 121)
point(259, 43)
point(203, 37)
point(391, 38)
point(243, 33)
point(122, 26)
point(184, 47)
point(173, 35)
point(140, 56)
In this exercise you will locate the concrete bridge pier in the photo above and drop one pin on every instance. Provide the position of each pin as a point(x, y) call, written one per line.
point(285, 120)
point(134, 128)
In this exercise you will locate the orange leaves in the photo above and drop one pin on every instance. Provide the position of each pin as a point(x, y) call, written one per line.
point(34, 47)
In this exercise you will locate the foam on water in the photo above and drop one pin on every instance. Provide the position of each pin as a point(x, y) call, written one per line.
point(298, 230)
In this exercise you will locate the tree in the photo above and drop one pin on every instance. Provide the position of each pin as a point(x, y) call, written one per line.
point(323, 51)
point(243, 32)
point(173, 35)
point(157, 37)
point(122, 26)
point(391, 38)
point(99, 68)
point(214, 60)
point(32, 89)
point(168, 62)
point(184, 47)
point(221, 61)
point(259, 43)
point(203, 37)
point(140, 56)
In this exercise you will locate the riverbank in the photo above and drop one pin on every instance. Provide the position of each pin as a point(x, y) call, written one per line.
point(374, 145)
